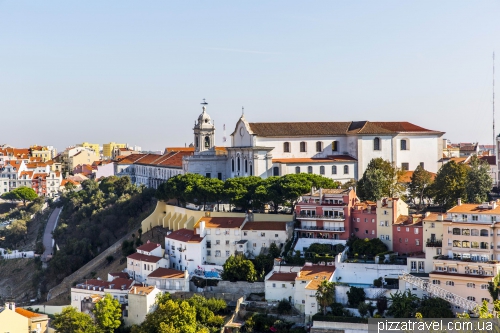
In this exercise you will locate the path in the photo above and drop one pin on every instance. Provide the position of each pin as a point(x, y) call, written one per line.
point(47, 235)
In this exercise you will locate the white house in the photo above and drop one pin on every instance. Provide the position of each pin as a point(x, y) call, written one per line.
point(118, 288)
point(140, 265)
point(141, 301)
point(169, 280)
point(185, 250)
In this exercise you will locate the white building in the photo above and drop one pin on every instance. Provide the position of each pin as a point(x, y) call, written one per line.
point(338, 150)
point(185, 250)
point(141, 301)
point(169, 280)
point(147, 259)
point(83, 292)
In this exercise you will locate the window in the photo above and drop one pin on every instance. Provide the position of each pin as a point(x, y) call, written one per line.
point(217, 253)
point(417, 242)
point(373, 232)
point(366, 232)
point(283, 285)
point(276, 171)
point(405, 166)
point(407, 229)
point(346, 169)
point(416, 231)
point(335, 145)
point(303, 147)
point(208, 175)
point(376, 144)
point(334, 169)
point(274, 285)
point(471, 285)
point(456, 231)
point(436, 282)
point(217, 242)
point(228, 253)
point(297, 169)
point(262, 234)
point(321, 170)
point(475, 218)
point(403, 144)
point(471, 298)
point(484, 286)
point(276, 235)
point(246, 166)
point(398, 228)
point(286, 147)
point(232, 164)
point(309, 169)
point(219, 176)
point(485, 299)
point(450, 283)
point(474, 232)
point(319, 146)
point(484, 233)
point(466, 232)
point(227, 242)
point(406, 240)
point(209, 252)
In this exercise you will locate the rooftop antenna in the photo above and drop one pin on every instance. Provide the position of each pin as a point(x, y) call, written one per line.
point(204, 102)
point(242, 111)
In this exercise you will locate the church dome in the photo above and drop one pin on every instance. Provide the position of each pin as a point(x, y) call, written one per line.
point(204, 117)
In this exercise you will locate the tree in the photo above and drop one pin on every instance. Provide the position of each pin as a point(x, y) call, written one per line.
point(70, 320)
point(240, 191)
point(295, 185)
point(355, 296)
point(284, 307)
point(170, 316)
point(351, 183)
point(421, 180)
point(11, 196)
point(381, 305)
point(239, 268)
point(325, 295)
point(108, 313)
point(25, 194)
point(479, 182)
point(274, 252)
point(435, 307)
point(403, 304)
point(380, 179)
point(493, 287)
point(450, 184)
point(363, 309)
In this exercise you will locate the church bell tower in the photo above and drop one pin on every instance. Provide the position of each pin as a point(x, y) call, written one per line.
point(204, 131)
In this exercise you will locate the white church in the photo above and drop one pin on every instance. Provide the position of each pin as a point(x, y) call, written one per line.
point(338, 150)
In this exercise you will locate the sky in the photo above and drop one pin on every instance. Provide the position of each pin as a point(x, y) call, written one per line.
point(136, 71)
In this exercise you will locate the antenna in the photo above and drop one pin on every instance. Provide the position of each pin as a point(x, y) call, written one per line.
point(204, 102)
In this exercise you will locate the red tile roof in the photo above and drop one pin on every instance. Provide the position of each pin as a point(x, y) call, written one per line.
point(283, 277)
point(185, 235)
point(148, 247)
point(29, 314)
point(221, 222)
point(120, 275)
point(167, 273)
point(144, 257)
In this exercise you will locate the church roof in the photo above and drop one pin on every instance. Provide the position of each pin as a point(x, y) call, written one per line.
point(334, 128)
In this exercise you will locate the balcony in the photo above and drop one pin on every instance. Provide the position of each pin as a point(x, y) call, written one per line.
point(340, 229)
point(434, 242)
point(321, 217)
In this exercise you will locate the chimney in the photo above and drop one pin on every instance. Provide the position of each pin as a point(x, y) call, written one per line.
point(459, 202)
point(135, 290)
point(427, 214)
point(12, 306)
point(202, 228)
point(186, 275)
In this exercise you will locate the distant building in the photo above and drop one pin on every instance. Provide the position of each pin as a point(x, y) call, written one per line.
point(93, 146)
point(108, 148)
point(11, 321)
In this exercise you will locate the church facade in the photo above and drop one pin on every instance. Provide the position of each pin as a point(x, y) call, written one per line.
point(337, 150)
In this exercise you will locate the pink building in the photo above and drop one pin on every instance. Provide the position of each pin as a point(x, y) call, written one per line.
point(407, 234)
point(325, 213)
point(364, 219)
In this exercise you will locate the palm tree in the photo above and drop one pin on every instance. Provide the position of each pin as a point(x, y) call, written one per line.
point(325, 295)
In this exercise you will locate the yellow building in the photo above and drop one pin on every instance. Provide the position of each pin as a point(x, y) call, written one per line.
point(388, 211)
point(45, 153)
point(93, 146)
point(10, 321)
point(37, 322)
point(107, 148)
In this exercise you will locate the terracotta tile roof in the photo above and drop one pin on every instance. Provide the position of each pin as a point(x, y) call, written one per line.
point(148, 247)
point(29, 314)
point(172, 159)
point(185, 235)
point(221, 222)
point(122, 275)
point(434, 217)
point(167, 273)
point(144, 257)
point(474, 208)
point(316, 274)
point(277, 276)
point(117, 284)
point(40, 175)
point(491, 160)
point(141, 290)
point(265, 225)
point(415, 220)
point(172, 149)
point(288, 129)
point(459, 160)
point(329, 159)
point(471, 276)
point(406, 177)
point(64, 181)
point(130, 159)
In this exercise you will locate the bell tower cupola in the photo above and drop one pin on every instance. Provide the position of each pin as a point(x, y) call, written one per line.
point(204, 131)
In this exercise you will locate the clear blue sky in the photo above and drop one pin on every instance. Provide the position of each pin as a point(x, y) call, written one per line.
point(136, 71)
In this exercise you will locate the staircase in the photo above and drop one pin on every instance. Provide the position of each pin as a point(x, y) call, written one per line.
point(436, 291)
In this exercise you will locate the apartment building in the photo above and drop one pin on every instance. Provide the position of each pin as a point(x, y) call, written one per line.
point(169, 280)
point(92, 146)
point(408, 234)
point(147, 259)
point(45, 153)
point(186, 249)
point(388, 210)
point(141, 301)
point(84, 293)
point(364, 219)
point(108, 148)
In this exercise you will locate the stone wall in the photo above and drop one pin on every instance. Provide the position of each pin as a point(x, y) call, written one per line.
point(240, 287)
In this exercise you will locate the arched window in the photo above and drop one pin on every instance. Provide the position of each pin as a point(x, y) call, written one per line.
point(465, 244)
point(346, 169)
point(251, 170)
point(276, 171)
point(286, 147)
point(297, 169)
point(321, 170)
point(309, 169)
point(207, 142)
point(303, 147)
point(319, 146)
point(196, 138)
point(376, 144)
point(239, 163)
point(457, 243)
point(483, 245)
point(456, 231)
point(466, 232)
point(484, 232)
point(334, 169)
point(232, 164)
point(403, 144)
point(246, 165)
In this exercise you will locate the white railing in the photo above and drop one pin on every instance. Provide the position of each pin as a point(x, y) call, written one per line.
point(436, 291)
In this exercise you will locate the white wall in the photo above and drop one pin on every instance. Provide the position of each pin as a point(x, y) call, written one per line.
point(365, 273)
point(306, 242)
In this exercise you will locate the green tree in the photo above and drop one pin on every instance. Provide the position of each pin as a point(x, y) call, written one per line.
point(403, 304)
point(70, 320)
point(284, 307)
point(450, 184)
point(25, 194)
point(295, 185)
point(478, 182)
point(421, 180)
point(10, 196)
point(241, 191)
point(380, 179)
point(363, 309)
point(493, 287)
point(108, 312)
point(351, 183)
point(355, 296)
point(381, 305)
point(435, 307)
point(325, 295)
point(239, 268)
point(274, 252)
point(173, 188)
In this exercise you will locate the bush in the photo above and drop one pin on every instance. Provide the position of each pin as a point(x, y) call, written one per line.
point(378, 282)
point(363, 309)
point(110, 259)
point(284, 307)
point(355, 296)
point(381, 305)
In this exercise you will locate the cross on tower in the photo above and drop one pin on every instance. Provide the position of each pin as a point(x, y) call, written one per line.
point(204, 103)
